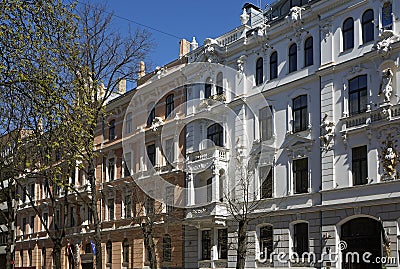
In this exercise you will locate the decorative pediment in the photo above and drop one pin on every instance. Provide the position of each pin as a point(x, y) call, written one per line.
point(297, 146)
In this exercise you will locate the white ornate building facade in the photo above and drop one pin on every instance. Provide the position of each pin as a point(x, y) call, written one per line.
point(325, 136)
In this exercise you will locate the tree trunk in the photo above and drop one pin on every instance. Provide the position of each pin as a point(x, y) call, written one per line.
point(57, 253)
point(242, 245)
point(10, 226)
point(147, 229)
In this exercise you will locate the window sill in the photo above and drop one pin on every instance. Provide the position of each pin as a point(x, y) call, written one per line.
point(345, 52)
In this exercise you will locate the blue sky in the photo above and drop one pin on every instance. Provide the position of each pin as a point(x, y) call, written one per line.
point(183, 19)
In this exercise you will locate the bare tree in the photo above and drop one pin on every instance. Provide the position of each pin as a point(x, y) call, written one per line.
point(105, 58)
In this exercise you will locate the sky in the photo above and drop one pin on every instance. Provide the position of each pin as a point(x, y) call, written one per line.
point(177, 19)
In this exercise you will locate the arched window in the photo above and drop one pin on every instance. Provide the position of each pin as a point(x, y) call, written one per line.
point(167, 248)
point(151, 114)
point(308, 52)
point(169, 105)
point(348, 34)
point(207, 89)
point(111, 130)
point(273, 65)
point(215, 133)
point(125, 250)
point(368, 26)
point(128, 123)
point(292, 58)
point(259, 71)
point(219, 86)
point(109, 251)
point(387, 16)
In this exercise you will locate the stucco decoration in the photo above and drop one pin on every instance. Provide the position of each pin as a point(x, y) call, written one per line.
point(157, 122)
point(326, 30)
point(295, 21)
point(240, 63)
point(327, 131)
point(384, 44)
point(244, 18)
point(210, 46)
point(389, 155)
point(386, 88)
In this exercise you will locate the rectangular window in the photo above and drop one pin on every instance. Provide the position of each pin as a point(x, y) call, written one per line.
point(151, 154)
point(72, 217)
point(359, 165)
point(266, 242)
point(149, 205)
point(300, 114)
point(127, 164)
point(265, 174)
point(110, 208)
point(112, 130)
point(111, 169)
point(358, 95)
point(266, 123)
point(32, 224)
point(207, 90)
point(23, 194)
point(170, 198)
point(209, 190)
point(128, 206)
point(223, 243)
point(206, 245)
point(301, 238)
point(128, 123)
point(169, 151)
point(32, 191)
point(23, 228)
point(300, 175)
point(45, 220)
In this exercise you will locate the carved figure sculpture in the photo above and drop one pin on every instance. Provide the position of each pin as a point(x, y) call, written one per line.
point(386, 85)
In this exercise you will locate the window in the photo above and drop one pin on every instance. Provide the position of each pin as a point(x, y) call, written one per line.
point(206, 245)
point(292, 58)
point(215, 134)
point(21, 255)
point(128, 206)
point(127, 164)
point(30, 257)
point(300, 115)
point(128, 123)
point(88, 248)
point(169, 105)
point(23, 228)
point(111, 130)
point(209, 190)
point(151, 154)
point(265, 173)
point(300, 238)
point(359, 165)
point(43, 258)
point(266, 242)
point(72, 217)
point(170, 193)
point(259, 71)
point(149, 204)
point(89, 215)
point(300, 175)
point(219, 86)
point(109, 251)
point(207, 90)
point(348, 34)
point(45, 220)
point(308, 52)
point(125, 251)
point(266, 123)
point(368, 26)
point(32, 191)
point(223, 244)
point(358, 95)
point(111, 169)
point(169, 151)
point(23, 194)
point(32, 224)
point(273, 65)
point(387, 16)
point(152, 116)
point(110, 209)
point(167, 248)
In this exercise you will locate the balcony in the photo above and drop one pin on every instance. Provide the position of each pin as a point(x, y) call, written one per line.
point(214, 209)
point(200, 160)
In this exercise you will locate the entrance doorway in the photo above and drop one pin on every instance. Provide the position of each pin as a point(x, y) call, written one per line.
point(361, 235)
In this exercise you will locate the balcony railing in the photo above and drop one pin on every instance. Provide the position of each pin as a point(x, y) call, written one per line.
point(217, 153)
point(385, 112)
point(212, 209)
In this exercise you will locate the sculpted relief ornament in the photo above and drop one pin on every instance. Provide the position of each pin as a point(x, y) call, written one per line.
point(389, 156)
point(386, 88)
point(294, 19)
point(327, 130)
point(384, 45)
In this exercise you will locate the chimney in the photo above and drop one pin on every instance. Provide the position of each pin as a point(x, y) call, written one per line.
point(122, 86)
point(142, 69)
point(184, 47)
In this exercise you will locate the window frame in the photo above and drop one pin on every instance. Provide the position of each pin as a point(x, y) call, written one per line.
point(309, 51)
point(367, 26)
point(127, 206)
point(111, 209)
point(206, 245)
point(111, 130)
point(109, 252)
point(266, 119)
point(129, 123)
point(111, 163)
point(167, 248)
point(361, 93)
point(259, 75)
point(266, 191)
point(348, 32)
point(264, 241)
point(362, 161)
point(219, 86)
point(169, 105)
point(207, 90)
point(301, 172)
point(304, 239)
point(125, 251)
point(151, 117)
point(292, 58)
point(222, 245)
point(151, 154)
point(215, 133)
point(303, 111)
point(273, 65)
